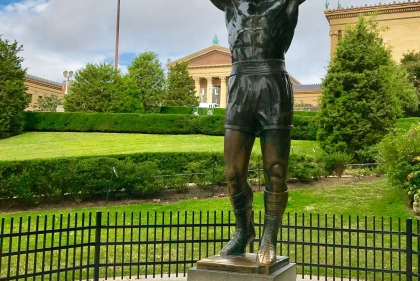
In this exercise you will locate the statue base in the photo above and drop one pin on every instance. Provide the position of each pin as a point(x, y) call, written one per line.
point(241, 268)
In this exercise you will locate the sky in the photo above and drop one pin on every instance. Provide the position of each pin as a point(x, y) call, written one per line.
point(60, 35)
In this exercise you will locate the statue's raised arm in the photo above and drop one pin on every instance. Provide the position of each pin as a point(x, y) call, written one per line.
point(221, 4)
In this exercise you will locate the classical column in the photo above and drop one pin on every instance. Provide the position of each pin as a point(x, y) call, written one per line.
point(334, 41)
point(197, 88)
point(209, 98)
point(223, 92)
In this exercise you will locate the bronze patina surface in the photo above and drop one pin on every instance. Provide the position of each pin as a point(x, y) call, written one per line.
point(241, 264)
point(260, 101)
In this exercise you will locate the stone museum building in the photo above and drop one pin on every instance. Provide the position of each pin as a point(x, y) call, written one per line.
point(402, 19)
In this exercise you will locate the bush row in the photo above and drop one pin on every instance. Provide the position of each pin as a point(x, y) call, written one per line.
point(305, 127)
point(176, 110)
point(139, 175)
point(124, 123)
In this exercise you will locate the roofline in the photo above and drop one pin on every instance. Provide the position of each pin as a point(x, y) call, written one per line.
point(315, 87)
point(293, 79)
point(369, 10)
point(42, 81)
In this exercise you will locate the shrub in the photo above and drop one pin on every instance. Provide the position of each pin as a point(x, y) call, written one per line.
point(305, 128)
point(305, 113)
point(336, 163)
point(305, 168)
point(407, 123)
point(219, 111)
point(176, 110)
point(413, 184)
point(88, 178)
point(368, 154)
point(136, 179)
point(400, 151)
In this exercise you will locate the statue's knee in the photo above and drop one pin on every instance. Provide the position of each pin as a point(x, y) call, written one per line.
point(277, 174)
point(233, 178)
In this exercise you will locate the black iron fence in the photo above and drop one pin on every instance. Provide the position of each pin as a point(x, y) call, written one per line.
point(147, 245)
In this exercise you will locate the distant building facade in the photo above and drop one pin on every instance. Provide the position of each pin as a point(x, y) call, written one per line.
point(403, 20)
point(38, 88)
point(210, 68)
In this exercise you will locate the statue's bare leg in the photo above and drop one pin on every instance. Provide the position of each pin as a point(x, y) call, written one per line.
point(238, 147)
point(275, 145)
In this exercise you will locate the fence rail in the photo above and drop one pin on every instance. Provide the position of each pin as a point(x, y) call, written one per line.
point(111, 245)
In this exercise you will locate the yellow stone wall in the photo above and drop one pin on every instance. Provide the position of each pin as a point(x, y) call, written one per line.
point(39, 88)
point(307, 97)
point(402, 19)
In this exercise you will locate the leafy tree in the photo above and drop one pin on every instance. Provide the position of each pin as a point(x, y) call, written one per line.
point(48, 103)
point(101, 88)
point(403, 89)
point(147, 71)
point(181, 88)
point(411, 62)
point(13, 97)
point(358, 104)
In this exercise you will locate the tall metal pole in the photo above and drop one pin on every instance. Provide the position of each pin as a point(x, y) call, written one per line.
point(117, 39)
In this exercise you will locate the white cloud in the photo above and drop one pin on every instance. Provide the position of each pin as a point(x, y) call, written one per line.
point(63, 35)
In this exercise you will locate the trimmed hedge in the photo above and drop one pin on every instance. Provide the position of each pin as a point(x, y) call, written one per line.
point(124, 123)
point(219, 111)
point(305, 126)
point(176, 110)
point(88, 178)
point(305, 113)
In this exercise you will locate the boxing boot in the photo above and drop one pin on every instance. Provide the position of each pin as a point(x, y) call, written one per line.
point(275, 204)
point(245, 231)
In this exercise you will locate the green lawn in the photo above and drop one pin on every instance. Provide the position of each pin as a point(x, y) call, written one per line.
point(376, 199)
point(359, 199)
point(37, 145)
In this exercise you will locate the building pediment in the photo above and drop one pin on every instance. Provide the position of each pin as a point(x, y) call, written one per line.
point(211, 56)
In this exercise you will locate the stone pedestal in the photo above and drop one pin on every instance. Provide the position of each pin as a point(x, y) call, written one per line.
point(245, 268)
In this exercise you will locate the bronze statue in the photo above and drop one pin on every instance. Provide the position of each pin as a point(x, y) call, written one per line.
point(260, 100)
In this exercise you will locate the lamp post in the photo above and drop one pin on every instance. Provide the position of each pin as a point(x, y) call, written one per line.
point(67, 75)
point(117, 39)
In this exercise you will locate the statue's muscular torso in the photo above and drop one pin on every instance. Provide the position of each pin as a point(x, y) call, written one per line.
point(259, 29)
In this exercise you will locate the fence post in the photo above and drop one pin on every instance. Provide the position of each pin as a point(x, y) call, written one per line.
point(97, 245)
point(409, 247)
point(214, 164)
